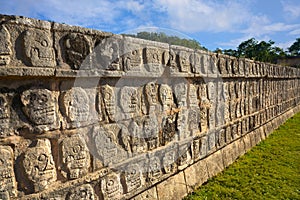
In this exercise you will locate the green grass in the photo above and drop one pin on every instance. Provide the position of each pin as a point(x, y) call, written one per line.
point(271, 170)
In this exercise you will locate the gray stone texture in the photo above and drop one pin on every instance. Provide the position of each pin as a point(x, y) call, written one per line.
point(86, 114)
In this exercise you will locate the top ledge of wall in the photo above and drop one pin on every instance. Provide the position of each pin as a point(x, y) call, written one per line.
point(31, 47)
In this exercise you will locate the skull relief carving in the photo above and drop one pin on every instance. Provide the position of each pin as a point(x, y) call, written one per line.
point(39, 106)
point(75, 156)
point(111, 187)
point(7, 177)
point(76, 105)
point(38, 48)
point(39, 165)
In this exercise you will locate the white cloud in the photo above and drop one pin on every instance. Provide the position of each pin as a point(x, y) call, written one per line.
point(261, 26)
point(199, 15)
point(285, 45)
point(295, 32)
point(292, 9)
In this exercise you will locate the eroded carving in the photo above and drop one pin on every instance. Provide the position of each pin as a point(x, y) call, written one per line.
point(109, 101)
point(150, 90)
point(111, 187)
point(108, 149)
point(75, 105)
point(7, 177)
point(5, 46)
point(150, 130)
point(4, 116)
point(107, 54)
point(153, 59)
point(39, 165)
point(154, 168)
point(166, 97)
point(38, 48)
point(184, 61)
point(133, 177)
point(83, 192)
point(77, 48)
point(133, 60)
point(40, 108)
point(169, 161)
point(75, 156)
point(129, 101)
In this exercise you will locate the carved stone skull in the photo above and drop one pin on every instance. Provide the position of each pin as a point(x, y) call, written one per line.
point(39, 165)
point(75, 156)
point(39, 106)
point(38, 48)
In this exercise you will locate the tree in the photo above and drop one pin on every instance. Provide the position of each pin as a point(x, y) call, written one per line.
point(294, 49)
point(162, 37)
point(260, 51)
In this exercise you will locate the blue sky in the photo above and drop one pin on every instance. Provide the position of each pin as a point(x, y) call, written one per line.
point(214, 23)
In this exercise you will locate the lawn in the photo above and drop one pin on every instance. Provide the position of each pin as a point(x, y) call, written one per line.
point(271, 170)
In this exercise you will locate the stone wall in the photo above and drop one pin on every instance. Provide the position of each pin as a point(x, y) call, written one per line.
point(86, 114)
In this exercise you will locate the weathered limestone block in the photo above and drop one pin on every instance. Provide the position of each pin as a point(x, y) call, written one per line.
point(130, 101)
point(75, 157)
point(106, 54)
point(151, 96)
point(77, 47)
point(150, 131)
point(38, 48)
point(196, 175)
point(82, 192)
point(107, 103)
point(5, 46)
point(166, 97)
point(221, 137)
point(132, 178)
point(132, 56)
point(204, 107)
point(75, 106)
point(149, 194)
point(202, 63)
point(106, 144)
point(39, 165)
point(214, 163)
point(184, 154)
point(181, 60)
point(5, 115)
point(40, 107)
point(173, 188)
point(155, 59)
point(111, 187)
point(154, 168)
point(8, 184)
point(169, 158)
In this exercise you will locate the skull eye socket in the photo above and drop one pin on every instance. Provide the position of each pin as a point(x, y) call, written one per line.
point(76, 149)
point(42, 157)
point(110, 183)
point(44, 43)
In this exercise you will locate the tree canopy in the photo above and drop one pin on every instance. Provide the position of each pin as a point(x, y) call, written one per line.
point(162, 37)
point(294, 49)
point(261, 51)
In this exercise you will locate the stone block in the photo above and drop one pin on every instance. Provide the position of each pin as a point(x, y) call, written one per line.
point(196, 175)
point(214, 164)
point(149, 194)
point(173, 188)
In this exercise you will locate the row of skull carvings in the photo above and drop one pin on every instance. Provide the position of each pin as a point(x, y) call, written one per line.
point(114, 143)
point(40, 164)
point(191, 105)
point(116, 53)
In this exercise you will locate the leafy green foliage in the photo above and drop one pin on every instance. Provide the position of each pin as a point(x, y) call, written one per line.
point(294, 49)
point(162, 37)
point(260, 51)
point(271, 170)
